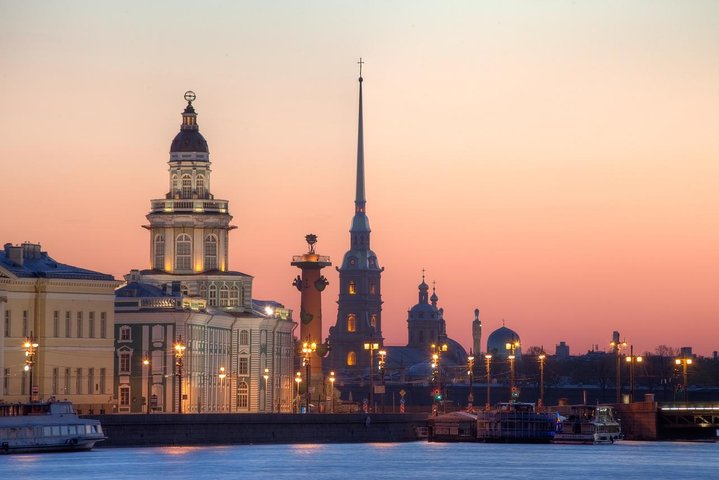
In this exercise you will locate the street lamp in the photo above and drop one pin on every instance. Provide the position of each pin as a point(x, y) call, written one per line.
point(30, 345)
point(512, 347)
point(542, 356)
point(222, 375)
point(371, 347)
point(684, 361)
point(382, 358)
point(332, 390)
point(617, 346)
point(632, 360)
point(298, 381)
point(436, 374)
point(308, 348)
point(146, 375)
point(470, 373)
point(488, 366)
point(266, 376)
point(179, 355)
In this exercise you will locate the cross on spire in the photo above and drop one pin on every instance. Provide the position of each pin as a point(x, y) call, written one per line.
point(423, 274)
point(360, 63)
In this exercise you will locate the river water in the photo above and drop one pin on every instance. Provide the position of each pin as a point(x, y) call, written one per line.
point(623, 460)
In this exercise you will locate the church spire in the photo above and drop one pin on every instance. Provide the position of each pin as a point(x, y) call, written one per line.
point(360, 195)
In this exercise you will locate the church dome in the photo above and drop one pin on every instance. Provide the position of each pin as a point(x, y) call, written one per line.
point(189, 141)
point(498, 340)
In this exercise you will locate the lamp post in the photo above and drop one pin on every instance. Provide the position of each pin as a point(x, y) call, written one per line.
point(488, 366)
point(684, 362)
point(542, 356)
point(382, 358)
point(298, 381)
point(308, 348)
point(30, 345)
point(512, 347)
point(437, 374)
point(332, 390)
point(632, 360)
point(617, 346)
point(222, 375)
point(470, 374)
point(146, 377)
point(179, 355)
point(371, 347)
point(266, 376)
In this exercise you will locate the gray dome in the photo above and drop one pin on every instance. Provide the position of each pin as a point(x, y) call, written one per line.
point(189, 141)
point(498, 340)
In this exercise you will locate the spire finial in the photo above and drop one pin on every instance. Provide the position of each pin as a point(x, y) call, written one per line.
point(423, 275)
point(360, 63)
point(502, 322)
point(190, 97)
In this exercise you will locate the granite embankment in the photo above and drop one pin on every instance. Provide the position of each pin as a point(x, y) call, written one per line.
point(133, 430)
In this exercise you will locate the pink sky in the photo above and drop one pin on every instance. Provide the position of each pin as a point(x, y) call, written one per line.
point(555, 167)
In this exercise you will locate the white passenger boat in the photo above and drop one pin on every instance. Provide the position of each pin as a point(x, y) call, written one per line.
point(44, 427)
point(590, 424)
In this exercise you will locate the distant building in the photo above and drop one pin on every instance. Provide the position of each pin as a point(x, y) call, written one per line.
point(190, 297)
point(562, 350)
point(68, 311)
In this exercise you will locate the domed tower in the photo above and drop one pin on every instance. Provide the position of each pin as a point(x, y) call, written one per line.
point(189, 228)
point(424, 322)
point(359, 312)
point(498, 340)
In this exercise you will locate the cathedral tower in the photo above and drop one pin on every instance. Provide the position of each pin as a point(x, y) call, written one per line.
point(359, 314)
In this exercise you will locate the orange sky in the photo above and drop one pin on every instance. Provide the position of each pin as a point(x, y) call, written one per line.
point(555, 167)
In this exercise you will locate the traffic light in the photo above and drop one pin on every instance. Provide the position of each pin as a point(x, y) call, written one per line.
point(437, 395)
point(515, 392)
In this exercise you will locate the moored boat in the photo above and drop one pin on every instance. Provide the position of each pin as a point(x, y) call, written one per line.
point(45, 427)
point(516, 422)
point(587, 424)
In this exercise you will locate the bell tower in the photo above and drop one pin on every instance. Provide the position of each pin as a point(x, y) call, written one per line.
point(359, 312)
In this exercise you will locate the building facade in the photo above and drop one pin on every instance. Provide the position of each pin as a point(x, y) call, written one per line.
point(67, 312)
point(237, 356)
point(359, 313)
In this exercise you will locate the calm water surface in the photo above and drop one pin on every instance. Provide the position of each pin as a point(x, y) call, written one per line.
point(625, 460)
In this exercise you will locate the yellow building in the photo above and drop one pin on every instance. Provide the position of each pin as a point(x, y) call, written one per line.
point(66, 316)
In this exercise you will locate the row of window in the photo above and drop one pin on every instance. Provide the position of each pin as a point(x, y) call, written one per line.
point(243, 396)
point(352, 322)
point(183, 252)
point(183, 186)
point(125, 363)
point(352, 288)
point(158, 334)
point(85, 382)
point(62, 328)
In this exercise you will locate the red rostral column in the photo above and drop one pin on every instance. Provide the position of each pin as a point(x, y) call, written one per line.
point(311, 284)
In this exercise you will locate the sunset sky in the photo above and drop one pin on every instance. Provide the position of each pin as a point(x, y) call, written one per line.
point(553, 163)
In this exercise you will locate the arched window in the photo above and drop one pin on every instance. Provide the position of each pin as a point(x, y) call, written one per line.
point(186, 186)
point(224, 296)
point(352, 288)
point(183, 252)
point(243, 395)
point(210, 252)
point(174, 185)
point(351, 322)
point(200, 182)
point(351, 359)
point(234, 296)
point(373, 320)
point(244, 337)
point(212, 298)
point(159, 252)
point(372, 289)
